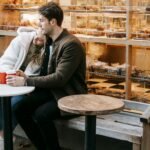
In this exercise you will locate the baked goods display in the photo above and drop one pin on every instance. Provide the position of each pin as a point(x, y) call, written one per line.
point(7, 21)
point(10, 4)
point(114, 5)
point(33, 2)
point(141, 62)
point(103, 69)
point(107, 76)
point(16, 4)
point(141, 92)
point(95, 25)
point(12, 14)
point(141, 26)
point(110, 21)
point(97, 61)
point(139, 3)
point(96, 18)
point(68, 22)
point(103, 25)
point(29, 19)
point(105, 86)
point(98, 22)
point(116, 87)
point(141, 20)
point(95, 50)
point(81, 21)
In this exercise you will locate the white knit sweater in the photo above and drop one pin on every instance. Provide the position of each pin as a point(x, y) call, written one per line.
point(15, 54)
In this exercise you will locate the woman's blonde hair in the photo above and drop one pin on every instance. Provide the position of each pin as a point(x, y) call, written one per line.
point(37, 55)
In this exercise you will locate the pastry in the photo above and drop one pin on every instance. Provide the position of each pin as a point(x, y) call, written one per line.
point(81, 22)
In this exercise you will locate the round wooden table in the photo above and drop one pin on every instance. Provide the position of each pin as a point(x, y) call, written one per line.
point(90, 106)
point(6, 92)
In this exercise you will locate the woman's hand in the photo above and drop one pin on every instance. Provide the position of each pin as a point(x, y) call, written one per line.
point(15, 80)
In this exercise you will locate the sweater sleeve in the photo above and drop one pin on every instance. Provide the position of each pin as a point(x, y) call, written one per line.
point(10, 56)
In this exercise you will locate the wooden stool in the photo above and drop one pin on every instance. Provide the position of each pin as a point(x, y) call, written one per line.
point(90, 106)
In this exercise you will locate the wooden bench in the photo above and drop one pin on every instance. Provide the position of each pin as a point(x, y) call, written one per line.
point(132, 125)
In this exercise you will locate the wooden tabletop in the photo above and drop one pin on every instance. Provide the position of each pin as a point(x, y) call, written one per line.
point(89, 104)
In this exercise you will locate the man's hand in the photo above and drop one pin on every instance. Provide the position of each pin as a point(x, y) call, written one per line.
point(14, 80)
point(21, 73)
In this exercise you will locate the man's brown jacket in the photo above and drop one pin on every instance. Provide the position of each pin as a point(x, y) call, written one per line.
point(66, 69)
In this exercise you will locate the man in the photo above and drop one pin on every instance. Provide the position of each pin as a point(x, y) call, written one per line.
point(63, 73)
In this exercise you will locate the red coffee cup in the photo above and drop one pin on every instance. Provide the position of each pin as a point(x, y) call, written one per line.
point(2, 78)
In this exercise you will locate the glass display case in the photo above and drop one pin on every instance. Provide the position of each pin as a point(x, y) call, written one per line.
point(116, 34)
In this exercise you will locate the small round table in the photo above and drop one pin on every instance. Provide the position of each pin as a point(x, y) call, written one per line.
point(6, 92)
point(90, 106)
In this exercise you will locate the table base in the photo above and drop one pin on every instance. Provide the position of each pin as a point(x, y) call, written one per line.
point(90, 132)
point(7, 123)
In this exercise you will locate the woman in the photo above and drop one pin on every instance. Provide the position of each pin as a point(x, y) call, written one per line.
point(25, 52)
point(28, 44)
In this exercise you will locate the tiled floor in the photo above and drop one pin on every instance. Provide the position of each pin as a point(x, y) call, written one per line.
point(24, 144)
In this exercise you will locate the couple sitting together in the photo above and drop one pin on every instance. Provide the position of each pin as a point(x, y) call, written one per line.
point(52, 60)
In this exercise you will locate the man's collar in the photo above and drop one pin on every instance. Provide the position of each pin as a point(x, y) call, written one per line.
point(63, 33)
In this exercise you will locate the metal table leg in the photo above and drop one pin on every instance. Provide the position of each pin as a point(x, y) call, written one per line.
point(6, 108)
point(90, 132)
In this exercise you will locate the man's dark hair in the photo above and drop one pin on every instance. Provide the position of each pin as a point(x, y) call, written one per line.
point(52, 10)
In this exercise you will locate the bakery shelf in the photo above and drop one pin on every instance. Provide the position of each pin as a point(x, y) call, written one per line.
point(115, 76)
point(144, 43)
point(8, 33)
point(24, 9)
point(86, 38)
point(141, 79)
point(35, 8)
point(112, 27)
point(107, 75)
point(99, 11)
point(140, 11)
point(18, 6)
